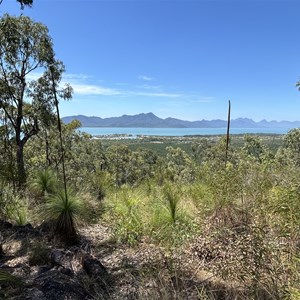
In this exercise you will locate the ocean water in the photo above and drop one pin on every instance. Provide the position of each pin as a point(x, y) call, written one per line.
point(100, 131)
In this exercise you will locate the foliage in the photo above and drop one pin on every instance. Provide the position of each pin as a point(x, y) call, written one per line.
point(172, 198)
point(12, 206)
point(202, 197)
point(99, 184)
point(253, 147)
point(26, 103)
point(241, 219)
point(179, 165)
point(291, 147)
point(64, 211)
point(171, 223)
point(44, 182)
point(130, 167)
point(7, 278)
point(23, 3)
point(285, 206)
point(238, 210)
point(128, 216)
point(252, 258)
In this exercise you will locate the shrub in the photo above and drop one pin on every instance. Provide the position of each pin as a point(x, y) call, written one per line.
point(12, 206)
point(171, 223)
point(128, 215)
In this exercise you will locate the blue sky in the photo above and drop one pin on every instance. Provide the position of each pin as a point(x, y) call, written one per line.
point(181, 59)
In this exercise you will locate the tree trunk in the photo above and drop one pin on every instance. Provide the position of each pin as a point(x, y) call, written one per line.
point(21, 176)
point(20, 143)
point(47, 147)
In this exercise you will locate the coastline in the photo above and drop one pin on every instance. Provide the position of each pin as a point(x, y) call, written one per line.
point(140, 133)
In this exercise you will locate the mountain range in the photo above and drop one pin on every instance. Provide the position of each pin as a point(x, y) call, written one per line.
point(149, 120)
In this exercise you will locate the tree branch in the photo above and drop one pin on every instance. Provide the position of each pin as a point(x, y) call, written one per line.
point(34, 130)
point(7, 114)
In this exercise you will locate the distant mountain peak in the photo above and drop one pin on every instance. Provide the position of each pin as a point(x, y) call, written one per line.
point(150, 120)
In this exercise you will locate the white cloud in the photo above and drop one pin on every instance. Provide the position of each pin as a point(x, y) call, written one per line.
point(167, 95)
point(149, 87)
point(66, 77)
point(84, 89)
point(144, 77)
point(82, 86)
point(76, 76)
point(200, 99)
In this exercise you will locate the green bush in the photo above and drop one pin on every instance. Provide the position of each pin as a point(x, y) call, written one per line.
point(12, 206)
point(171, 222)
point(128, 215)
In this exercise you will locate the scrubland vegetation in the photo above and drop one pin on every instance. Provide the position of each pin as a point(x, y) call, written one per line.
point(185, 222)
point(238, 225)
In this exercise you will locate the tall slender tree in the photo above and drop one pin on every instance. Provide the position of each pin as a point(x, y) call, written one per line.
point(26, 57)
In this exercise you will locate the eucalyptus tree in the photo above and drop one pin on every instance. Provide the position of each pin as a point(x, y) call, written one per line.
point(29, 80)
point(179, 165)
point(254, 147)
point(290, 152)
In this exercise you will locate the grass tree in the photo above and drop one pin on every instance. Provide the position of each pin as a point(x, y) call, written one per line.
point(64, 208)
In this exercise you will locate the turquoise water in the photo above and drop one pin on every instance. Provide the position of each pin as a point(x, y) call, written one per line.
point(177, 131)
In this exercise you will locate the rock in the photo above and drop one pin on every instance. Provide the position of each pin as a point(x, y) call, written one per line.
point(66, 271)
point(61, 258)
point(93, 266)
point(59, 286)
point(43, 269)
point(56, 257)
point(32, 294)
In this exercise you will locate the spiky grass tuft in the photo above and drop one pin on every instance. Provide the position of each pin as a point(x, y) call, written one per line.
point(64, 209)
point(44, 182)
point(7, 278)
point(172, 198)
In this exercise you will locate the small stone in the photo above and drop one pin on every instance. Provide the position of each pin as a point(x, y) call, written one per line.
point(93, 266)
point(56, 257)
